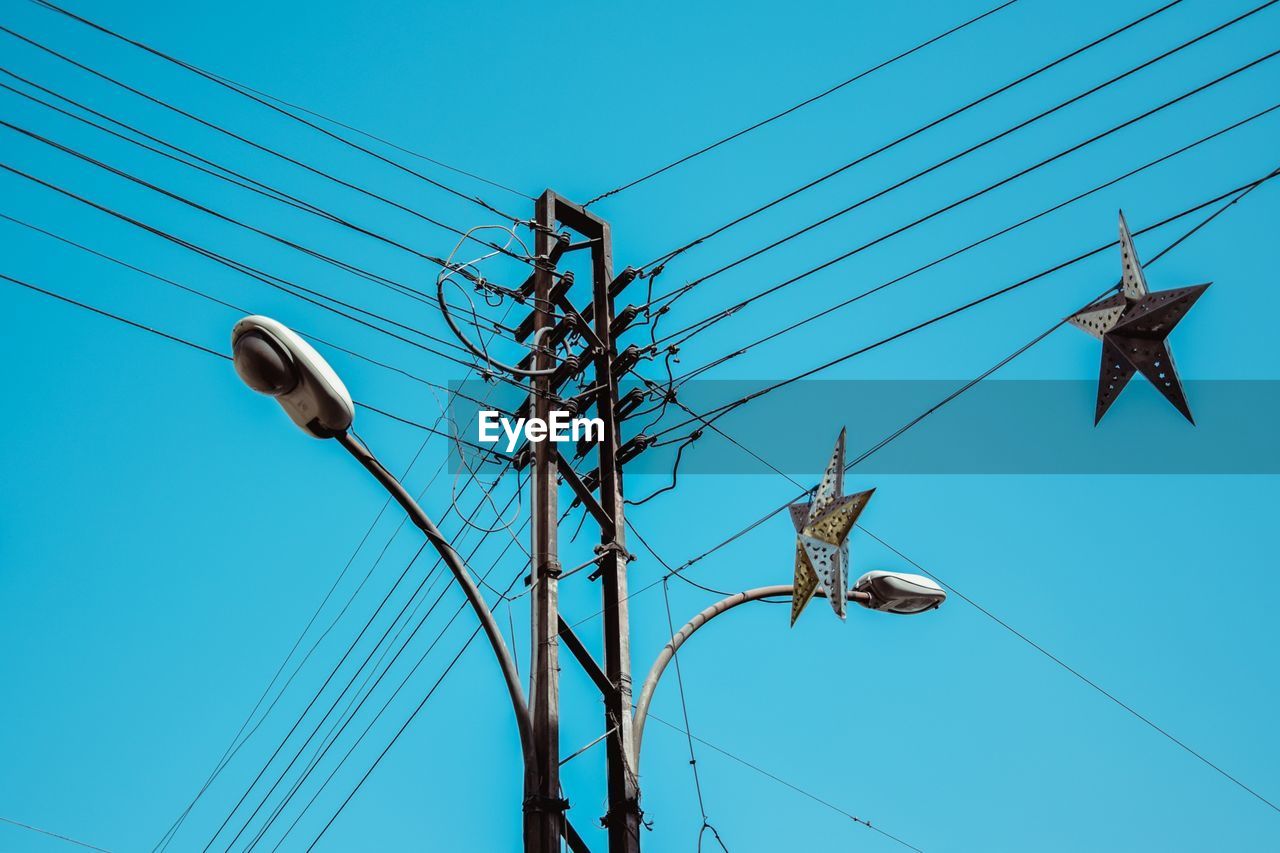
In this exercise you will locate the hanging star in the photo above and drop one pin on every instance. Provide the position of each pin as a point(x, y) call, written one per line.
point(1134, 326)
point(822, 537)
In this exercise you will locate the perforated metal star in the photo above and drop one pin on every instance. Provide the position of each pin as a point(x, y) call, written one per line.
point(1134, 326)
point(822, 537)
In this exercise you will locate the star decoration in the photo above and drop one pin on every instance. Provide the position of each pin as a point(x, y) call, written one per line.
point(1134, 326)
point(822, 537)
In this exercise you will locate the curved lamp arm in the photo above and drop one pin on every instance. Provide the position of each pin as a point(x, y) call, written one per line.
point(670, 649)
point(420, 518)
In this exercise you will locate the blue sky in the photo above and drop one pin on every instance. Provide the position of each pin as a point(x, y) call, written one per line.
point(166, 535)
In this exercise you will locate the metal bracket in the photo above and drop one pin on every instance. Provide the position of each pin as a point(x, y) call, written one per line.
point(535, 803)
point(605, 549)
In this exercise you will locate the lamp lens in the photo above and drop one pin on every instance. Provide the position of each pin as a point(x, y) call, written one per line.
point(264, 365)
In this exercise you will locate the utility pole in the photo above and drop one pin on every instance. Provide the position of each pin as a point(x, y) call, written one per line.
point(543, 806)
point(623, 818)
point(598, 326)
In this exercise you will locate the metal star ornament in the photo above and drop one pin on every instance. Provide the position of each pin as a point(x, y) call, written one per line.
point(822, 537)
point(1134, 326)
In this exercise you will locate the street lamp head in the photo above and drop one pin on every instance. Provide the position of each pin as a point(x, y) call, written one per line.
point(273, 360)
point(898, 592)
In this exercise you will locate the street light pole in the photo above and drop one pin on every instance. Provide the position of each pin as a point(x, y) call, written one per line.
point(679, 638)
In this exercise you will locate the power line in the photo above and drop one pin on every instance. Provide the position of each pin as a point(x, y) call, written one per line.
point(400, 731)
point(1003, 231)
point(336, 668)
point(334, 735)
point(231, 220)
point(427, 576)
point(230, 305)
point(688, 730)
point(245, 92)
point(793, 108)
point(974, 195)
point(1231, 198)
point(725, 408)
point(224, 356)
point(245, 140)
point(52, 834)
point(236, 742)
point(803, 792)
point(396, 736)
point(323, 748)
point(67, 299)
point(662, 260)
point(970, 384)
point(234, 747)
point(1079, 675)
point(980, 608)
point(192, 160)
point(380, 139)
point(298, 291)
point(672, 295)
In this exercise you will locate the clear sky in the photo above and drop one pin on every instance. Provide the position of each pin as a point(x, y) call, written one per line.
point(165, 535)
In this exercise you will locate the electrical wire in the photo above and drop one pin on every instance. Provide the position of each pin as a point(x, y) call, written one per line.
point(380, 139)
point(1229, 198)
point(298, 291)
point(724, 409)
point(243, 91)
point(674, 294)
point(232, 306)
point(340, 728)
point(213, 352)
point(688, 730)
point(240, 138)
point(758, 769)
point(979, 607)
point(109, 315)
point(968, 247)
point(399, 732)
point(427, 576)
point(793, 108)
point(52, 834)
point(338, 724)
point(707, 322)
point(656, 264)
point(212, 168)
point(236, 741)
point(313, 253)
point(234, 747)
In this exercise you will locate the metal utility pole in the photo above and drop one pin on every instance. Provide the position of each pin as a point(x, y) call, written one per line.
point(623, 818)
point(596, 324)
point(543, 806)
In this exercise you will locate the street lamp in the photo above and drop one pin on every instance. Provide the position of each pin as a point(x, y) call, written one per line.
point(274, 360)
point(899, 592)
point(891, 592)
